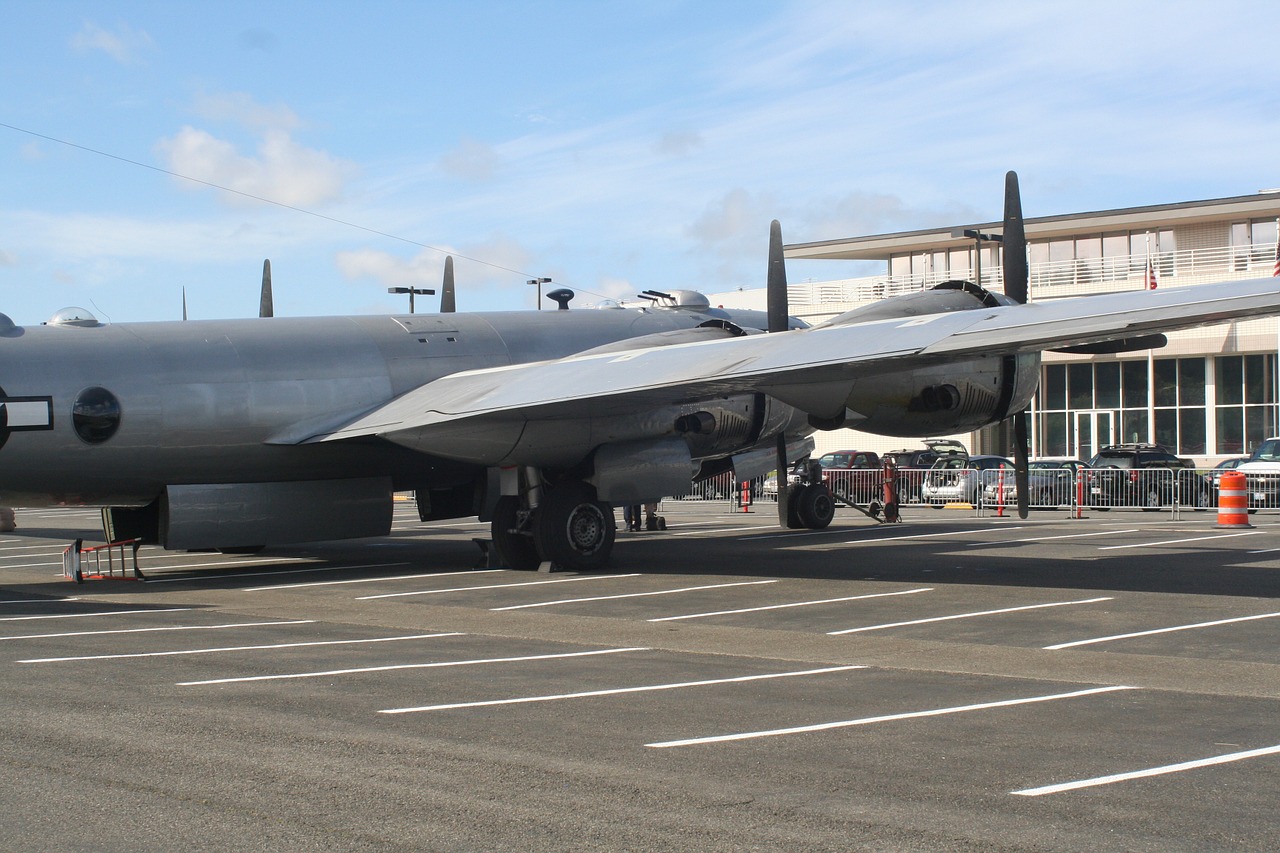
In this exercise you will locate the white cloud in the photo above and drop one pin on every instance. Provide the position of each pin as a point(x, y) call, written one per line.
point(7, 259)
point(124, 45)
point(283, 171)
point(240, 107)
point(423, 270)
point(472, 160)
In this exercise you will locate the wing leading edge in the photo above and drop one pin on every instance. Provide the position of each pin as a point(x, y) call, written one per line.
point(785, 364)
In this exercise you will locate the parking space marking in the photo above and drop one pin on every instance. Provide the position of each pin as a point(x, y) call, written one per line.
point(494, 586)
point(881, 539)
point(242, 563)
point(725, 530)
point(1161, 631)
point(792, 604)
point(313, 567)
point(39, 600)
point(1180, 541)
point(165, 654)
point(1049, 538)
point(87, 615)
point(165, 628)
point(631, 595)
point(615, 691)
point(969, 615)
point(399, 666)
point(372, 580)
point(1151, 771)
point(842, 724)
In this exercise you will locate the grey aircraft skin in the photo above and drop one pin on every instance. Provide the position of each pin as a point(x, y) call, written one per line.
point(243, 433)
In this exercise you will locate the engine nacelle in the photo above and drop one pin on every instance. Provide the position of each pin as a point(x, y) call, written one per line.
point(931, 400)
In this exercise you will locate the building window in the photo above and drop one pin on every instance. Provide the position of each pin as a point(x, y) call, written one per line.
point(1245, 411)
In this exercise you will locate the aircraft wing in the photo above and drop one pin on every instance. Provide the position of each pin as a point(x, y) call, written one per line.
point(780, 363)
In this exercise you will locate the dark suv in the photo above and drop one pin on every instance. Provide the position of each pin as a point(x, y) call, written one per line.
point(1146, 475)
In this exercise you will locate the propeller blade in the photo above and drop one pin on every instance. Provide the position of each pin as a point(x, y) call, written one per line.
point(1016, 277)
point(779, 321)
point(447, 304)
point(1014, 252)
point(776, 284)
point(784, 485)
point(265, 307)
point(1020, 474)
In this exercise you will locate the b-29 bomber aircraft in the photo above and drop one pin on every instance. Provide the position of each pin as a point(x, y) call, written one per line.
point(245, 433)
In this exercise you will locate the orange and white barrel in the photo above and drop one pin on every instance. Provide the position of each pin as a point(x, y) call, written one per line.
point(1233, 500)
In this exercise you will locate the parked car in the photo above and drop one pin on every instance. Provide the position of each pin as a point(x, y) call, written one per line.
point(959, 479)
point(853, 475)
point(913, 464)
point(1213, 478)
point(1051, 482)
point(1146, 475)
point(1262, 473)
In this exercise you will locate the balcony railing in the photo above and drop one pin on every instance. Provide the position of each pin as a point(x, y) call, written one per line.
point(1075, 277)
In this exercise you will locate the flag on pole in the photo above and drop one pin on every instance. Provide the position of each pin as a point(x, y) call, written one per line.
point(1275, 269)
point(1151, 274)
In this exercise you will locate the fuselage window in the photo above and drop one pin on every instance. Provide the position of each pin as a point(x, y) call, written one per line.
point(95, 415)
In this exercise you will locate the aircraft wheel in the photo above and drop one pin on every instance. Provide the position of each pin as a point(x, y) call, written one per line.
point(515, 548)
point(814, 507)
point(572, 529)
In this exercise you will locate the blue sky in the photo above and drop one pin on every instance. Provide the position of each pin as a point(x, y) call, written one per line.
point(613, 147)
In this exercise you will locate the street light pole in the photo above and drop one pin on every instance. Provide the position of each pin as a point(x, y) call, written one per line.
point(538, 282)
point(412, 291)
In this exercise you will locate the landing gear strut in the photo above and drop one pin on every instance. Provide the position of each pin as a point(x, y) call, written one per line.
point(568, 528)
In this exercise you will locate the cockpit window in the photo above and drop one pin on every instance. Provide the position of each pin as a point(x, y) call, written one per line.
point(95, 415)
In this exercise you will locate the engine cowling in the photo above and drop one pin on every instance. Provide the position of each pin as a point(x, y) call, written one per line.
point(936, 399)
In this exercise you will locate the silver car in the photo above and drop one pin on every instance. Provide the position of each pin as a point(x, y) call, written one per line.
point(959, 479)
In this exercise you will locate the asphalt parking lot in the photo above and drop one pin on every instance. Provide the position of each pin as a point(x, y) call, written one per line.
point(953, 682)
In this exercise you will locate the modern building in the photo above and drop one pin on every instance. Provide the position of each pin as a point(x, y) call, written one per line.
point(1210, 394)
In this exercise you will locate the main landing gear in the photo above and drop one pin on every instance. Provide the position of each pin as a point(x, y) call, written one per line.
point(567, 527)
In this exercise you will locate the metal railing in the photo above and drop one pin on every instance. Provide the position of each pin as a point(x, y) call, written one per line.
point(1152, 489)
point(1051, 279)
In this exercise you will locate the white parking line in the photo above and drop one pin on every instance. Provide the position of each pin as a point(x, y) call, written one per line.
point(370, 580)
point(1049, 538)
point(630, 595)
point(792, 604)
point(1180, 541)
point(493, 586)
point(1161, 631)
point(313, 567)
point(392, 667)
point(969, 615)
point(879, 540)
point(1152, 771)
point(620, 690)
point(86, 615)
point(243, 563)
point(725, 530)
point(242, 648)
point(166, 628)
point(39, 600)
point(841, 724)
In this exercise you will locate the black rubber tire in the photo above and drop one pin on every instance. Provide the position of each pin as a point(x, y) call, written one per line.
point(814, 507)
point(572, 529)
point(516, 550)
